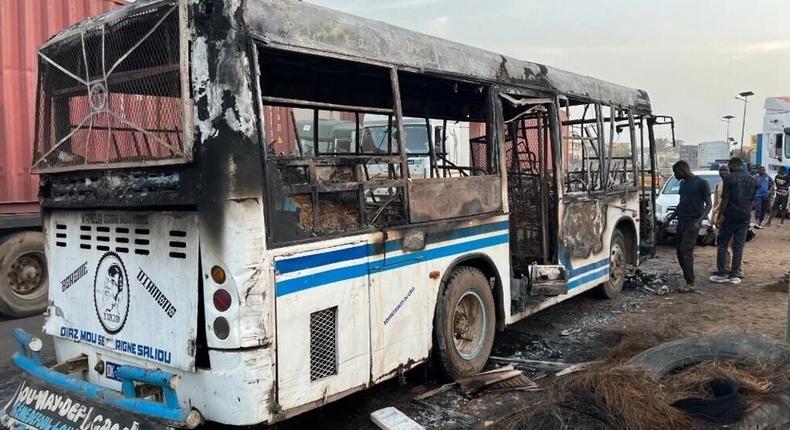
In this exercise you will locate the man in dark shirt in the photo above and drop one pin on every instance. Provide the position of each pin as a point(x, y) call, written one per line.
point(736, 202)
point(782, 182)
point(693, 207)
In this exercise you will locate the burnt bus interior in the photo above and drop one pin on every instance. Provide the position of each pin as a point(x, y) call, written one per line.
point(356, 179)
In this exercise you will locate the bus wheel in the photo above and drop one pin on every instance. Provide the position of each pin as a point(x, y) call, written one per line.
point(464, 323)
point(23, 274)
point(617, 264)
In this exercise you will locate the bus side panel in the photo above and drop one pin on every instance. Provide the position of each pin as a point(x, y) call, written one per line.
point(587, 229)
point(323, 344)
point(404, 287)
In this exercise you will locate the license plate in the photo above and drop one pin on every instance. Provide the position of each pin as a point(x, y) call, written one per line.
point(111, 368)
point(36, 406)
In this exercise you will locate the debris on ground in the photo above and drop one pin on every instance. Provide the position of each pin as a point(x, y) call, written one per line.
point(619, 393)
point(391, 418)
point(503, 378)
point(655, 282)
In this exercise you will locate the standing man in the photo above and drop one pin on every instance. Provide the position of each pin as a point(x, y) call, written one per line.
point(765, 187)
point(724, 170)
point(693, 207)
point(782, 184)
point(736, 201)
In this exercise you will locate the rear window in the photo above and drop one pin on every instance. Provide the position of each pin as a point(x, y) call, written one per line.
point(110, 94)
point(673, 185)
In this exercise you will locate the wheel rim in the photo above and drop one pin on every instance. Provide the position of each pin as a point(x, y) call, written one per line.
point(470, 324)
point(27, 275)
point(616, 264)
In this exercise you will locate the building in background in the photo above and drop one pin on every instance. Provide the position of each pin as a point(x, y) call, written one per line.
point(689, 154)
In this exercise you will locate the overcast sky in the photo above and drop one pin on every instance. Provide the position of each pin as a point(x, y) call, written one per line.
point(693, 57)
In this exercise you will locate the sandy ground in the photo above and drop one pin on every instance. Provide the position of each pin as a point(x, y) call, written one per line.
point(758, 305)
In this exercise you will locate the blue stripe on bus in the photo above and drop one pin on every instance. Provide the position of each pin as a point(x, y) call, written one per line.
point(589, 267)
point(591, 276)
point(290, 286)
point(353, 253)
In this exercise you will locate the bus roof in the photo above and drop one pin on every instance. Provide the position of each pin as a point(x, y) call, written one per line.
point(293, 24)
point(296, 24)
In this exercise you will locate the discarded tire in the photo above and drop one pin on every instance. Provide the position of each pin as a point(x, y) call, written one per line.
point(668, 357)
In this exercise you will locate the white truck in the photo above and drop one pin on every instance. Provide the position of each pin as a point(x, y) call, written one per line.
point(775, 151)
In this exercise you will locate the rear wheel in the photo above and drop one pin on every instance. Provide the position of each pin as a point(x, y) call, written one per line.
point(617, 265)
point(23, 274)
point(464, 323)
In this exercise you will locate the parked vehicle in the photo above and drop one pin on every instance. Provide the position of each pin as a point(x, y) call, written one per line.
point(24, 25)
point(774, 147)
point(668, 199)
point(203, 271)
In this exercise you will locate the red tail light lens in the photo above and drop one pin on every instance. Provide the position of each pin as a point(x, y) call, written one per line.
point(222, 300)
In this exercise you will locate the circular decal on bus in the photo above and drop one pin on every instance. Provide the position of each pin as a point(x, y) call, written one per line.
point(111, 293)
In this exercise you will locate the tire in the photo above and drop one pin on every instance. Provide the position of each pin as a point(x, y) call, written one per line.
point(671, 356)
point(709, 239)
point(661, 237)
point(23, 275)
point(617, 265)
point(663, 359)
point(466, 291)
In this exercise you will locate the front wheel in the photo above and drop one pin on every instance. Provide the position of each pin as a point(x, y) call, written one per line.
point(464, 323)
point(617, 265)
point(23, 274)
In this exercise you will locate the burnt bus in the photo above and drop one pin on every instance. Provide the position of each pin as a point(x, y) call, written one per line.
point(210, 262)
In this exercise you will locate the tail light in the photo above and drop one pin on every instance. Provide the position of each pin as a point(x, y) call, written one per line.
point(222, 300)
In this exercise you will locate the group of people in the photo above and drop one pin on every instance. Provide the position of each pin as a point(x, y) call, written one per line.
point(737, 194)
point(766, 188)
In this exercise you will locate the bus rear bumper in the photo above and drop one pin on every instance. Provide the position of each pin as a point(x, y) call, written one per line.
point(44, 393)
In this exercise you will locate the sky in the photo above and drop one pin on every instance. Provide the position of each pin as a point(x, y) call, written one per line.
point(692, 57)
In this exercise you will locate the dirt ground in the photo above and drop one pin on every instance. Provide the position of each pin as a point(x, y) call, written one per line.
point(586, 328)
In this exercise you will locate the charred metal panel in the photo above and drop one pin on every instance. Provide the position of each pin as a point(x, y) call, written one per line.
point(292, 23)
point(583, 225)
point(120, 188)
point(443, 198)
point(231, 198)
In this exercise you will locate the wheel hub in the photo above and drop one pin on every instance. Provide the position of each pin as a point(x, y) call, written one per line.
point(470, 324)
point(617, 264)
point(26, 274)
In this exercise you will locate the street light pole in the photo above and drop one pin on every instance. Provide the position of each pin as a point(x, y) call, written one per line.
point(727, 119)
point(744, 97)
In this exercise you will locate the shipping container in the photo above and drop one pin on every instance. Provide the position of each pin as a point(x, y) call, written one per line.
point(689, 154)
point(24, 26)
point(709, 152)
